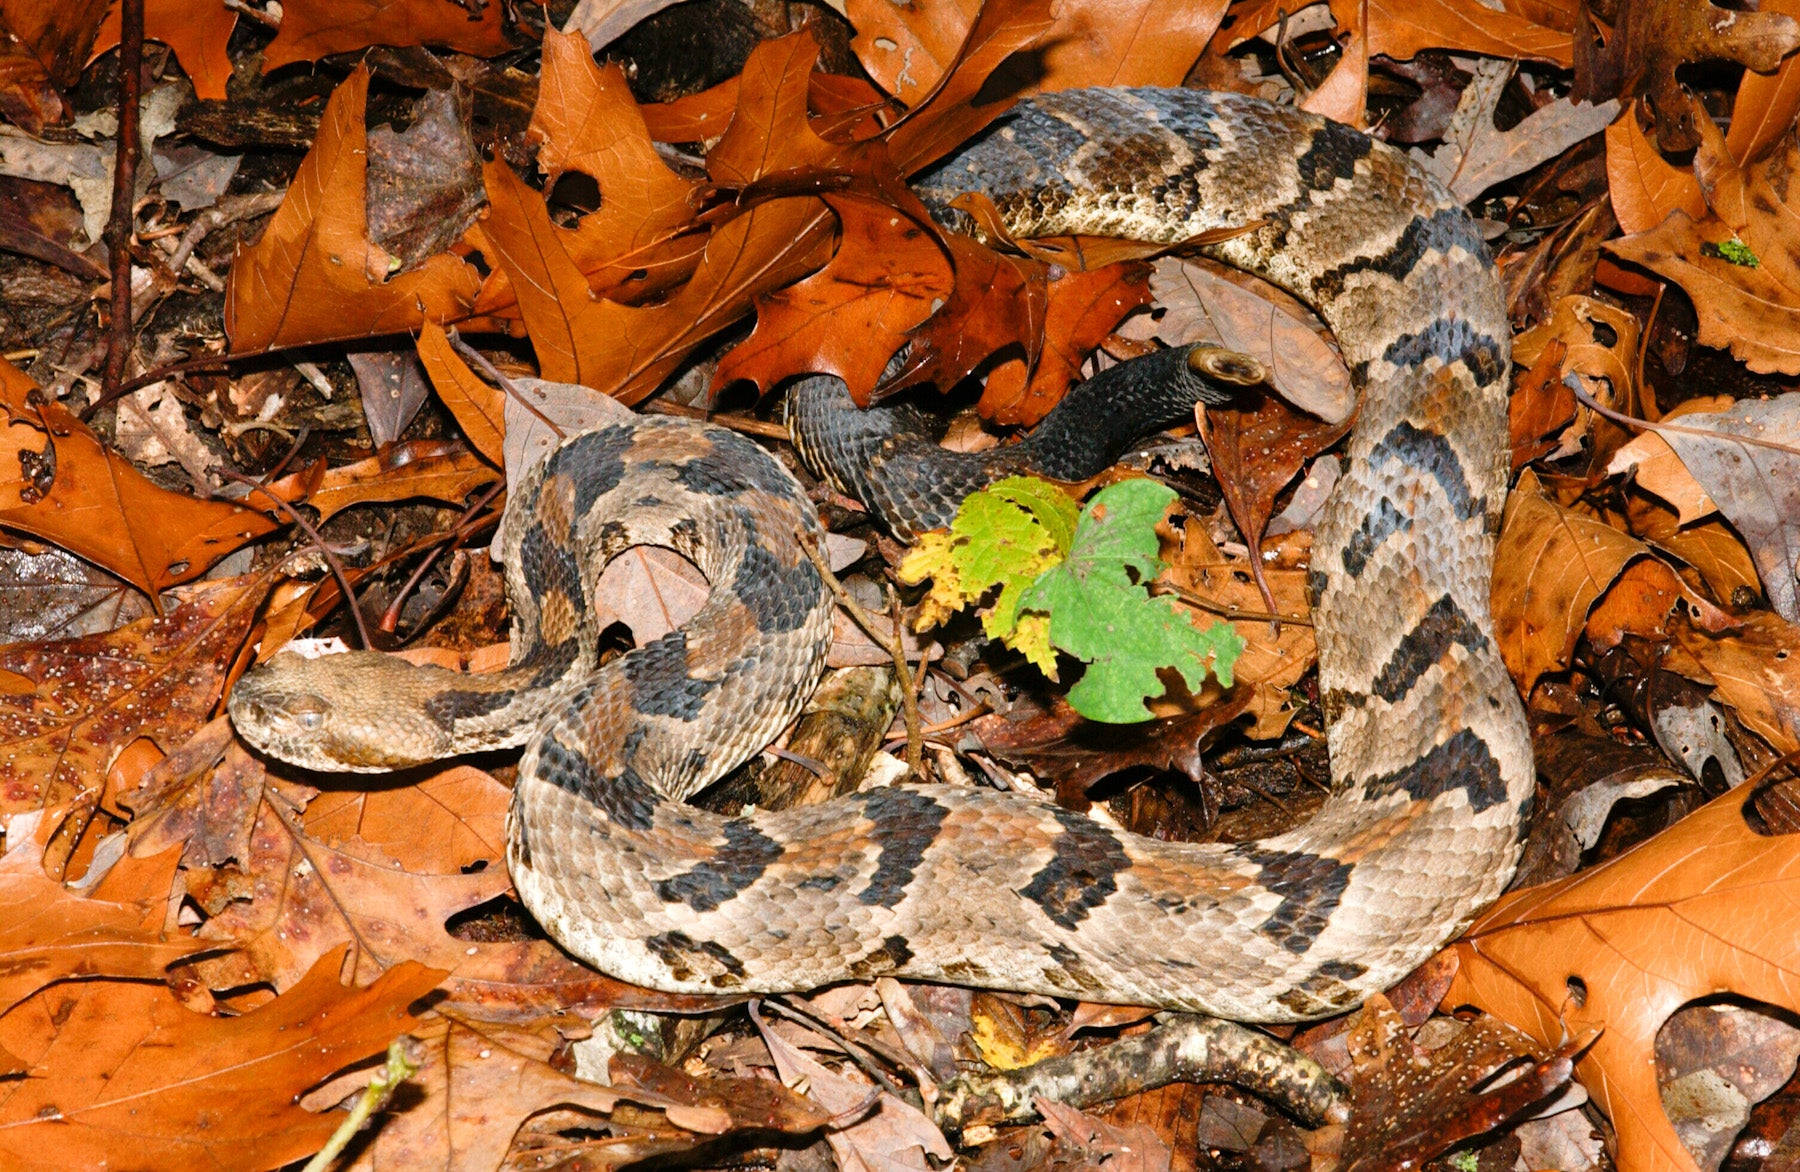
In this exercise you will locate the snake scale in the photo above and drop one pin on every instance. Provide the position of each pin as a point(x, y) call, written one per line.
point(1427, 736)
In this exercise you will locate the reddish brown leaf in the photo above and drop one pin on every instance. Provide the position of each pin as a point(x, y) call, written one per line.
point(1082, 309)
point(1256, 451)
point(1704, 908)
point(1766, 104)
point(197, 30)
point(1540, 405)
point(48, 933)
point(1643, 185)
point(315, 275)
point(849, 317)
point(124, 1074)
point(91, 697)
point(311, 29)
point(479, 408)
point(43, 44)
point(1403, 28)
point(442, 470)
point(82, 496)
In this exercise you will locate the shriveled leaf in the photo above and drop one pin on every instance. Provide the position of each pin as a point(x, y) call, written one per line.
point(436, 469)
point(84, 700)
point(1704, 908)
point(1476, 155)
point(1754, 670)
point(315, 275)
point(70, 489)
point(1256, 450)
point(125, 1068)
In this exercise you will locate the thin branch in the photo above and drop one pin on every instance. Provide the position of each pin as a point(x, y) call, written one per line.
point(118, 229)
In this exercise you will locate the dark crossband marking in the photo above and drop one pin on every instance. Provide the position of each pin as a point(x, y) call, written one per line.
point(1461, 762)
point(733, 465)
point(1449, 340)
point(779, 597)
point(1082, 872)
point(1443, 625)
point(890, 956)
point(660, 683)
point(1332, 155)
point(1429, 451)
point(1444, 231)
point(548, 665)
point(594, 462)
point(1310, 886)
point(1375, 529)
point(625, 801)
point(552, 565)
point(688, 958)
point(735, 865)
point(906, 823)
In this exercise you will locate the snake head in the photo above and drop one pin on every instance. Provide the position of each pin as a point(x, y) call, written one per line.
point(339, 713)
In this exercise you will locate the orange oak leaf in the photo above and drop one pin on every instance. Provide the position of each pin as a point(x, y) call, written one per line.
point(1766, 103)
point(311, 29)
point(480, 409)
point(1080, 310)
point(123, 1075)
point(908, 48)
point(643, 238)
point(315, 275)
point(1706, 908)
point(49, 933)
point(69, 489)
point(384, 873)
point(197, 30)
point(1740, 264)
point(1644, 186)
point(442, 470)
point(1401, 29)
point(848, 318)
point(91, 697)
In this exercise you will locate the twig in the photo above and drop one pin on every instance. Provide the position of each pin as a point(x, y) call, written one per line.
point(1185, 1048)
point(891, 642)
point(381, 1088)
point(1226, 610)
point(390, 618)
point(1573, 382)
point(743, 423)
point(480, 362)
point(118, 229)
point(331, 560)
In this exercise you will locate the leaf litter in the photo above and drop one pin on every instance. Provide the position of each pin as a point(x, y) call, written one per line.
point(206, 953)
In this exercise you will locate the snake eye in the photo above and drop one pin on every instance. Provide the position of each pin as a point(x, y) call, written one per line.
point(308, 713)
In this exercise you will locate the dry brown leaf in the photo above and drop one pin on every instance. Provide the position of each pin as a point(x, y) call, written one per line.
point(1644, 186)
point(1550, 567)
point(315, 275)
point(197, 30)
point(1402, 28)
point(907, 48)
point(442, 470)
point(89, 698)
point(1704, 908)
point(1766, 104)
point(123, 1074)
point(479, 408)
point(1755, 670)
point(48, 933)
point(69, 489)
point(311, 29)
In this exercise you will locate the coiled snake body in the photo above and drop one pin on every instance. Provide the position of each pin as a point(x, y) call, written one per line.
point(1427, 736)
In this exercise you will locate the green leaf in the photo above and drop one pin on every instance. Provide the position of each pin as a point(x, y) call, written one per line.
point(1101, 611)
point(1005, 536)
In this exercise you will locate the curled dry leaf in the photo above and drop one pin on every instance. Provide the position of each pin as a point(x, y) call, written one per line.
point(315, 275)
point(70, 489)
point(1704, 908)
point(1755, 670)
point(441, 470)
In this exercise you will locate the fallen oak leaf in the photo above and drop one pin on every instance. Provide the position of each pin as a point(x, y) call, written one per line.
point(1401, 29)
point(311, 29)
point(1645, 187)
point(124, 1074)
point(198, 31)
point(1702, 909)
point(91, 697)
point(76, 493)
point(479, 407)
point(315, 275)
point(436, 469)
